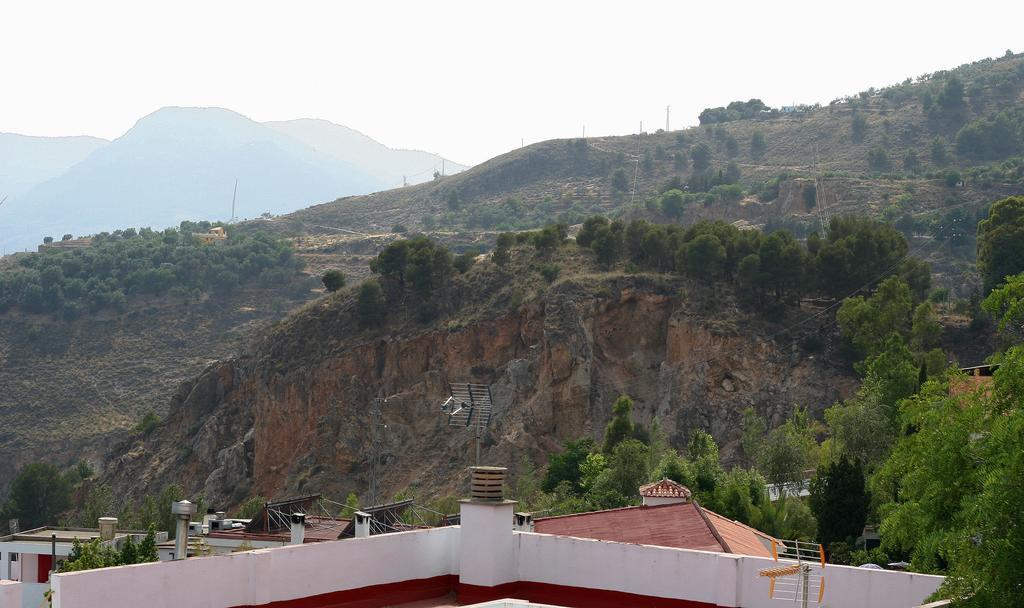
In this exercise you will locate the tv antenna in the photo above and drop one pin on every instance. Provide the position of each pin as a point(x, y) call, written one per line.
point(233, 194)
point(800, 575)
point(469, 406)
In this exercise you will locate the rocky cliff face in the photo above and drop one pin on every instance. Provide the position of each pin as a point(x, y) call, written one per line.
point(283, 420)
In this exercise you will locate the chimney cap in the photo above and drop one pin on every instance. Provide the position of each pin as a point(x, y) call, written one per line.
point(487, 484)
point(298, 518)
point(183, 507)
point(665, 488)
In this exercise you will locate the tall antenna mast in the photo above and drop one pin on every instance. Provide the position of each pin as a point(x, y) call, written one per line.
point(379, 431)
point(234, 193)
point(667, 108)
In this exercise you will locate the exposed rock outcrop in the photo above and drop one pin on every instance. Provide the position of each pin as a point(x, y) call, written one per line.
point(262, 425)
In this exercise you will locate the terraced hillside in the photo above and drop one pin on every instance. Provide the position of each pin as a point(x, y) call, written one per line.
point(908, 150)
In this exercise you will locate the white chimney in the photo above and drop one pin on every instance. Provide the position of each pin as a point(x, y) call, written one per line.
point(207, 527)
point(108, 526)
point(298, 529)
point(522, 522)
point(487, 545)
point(362, 519)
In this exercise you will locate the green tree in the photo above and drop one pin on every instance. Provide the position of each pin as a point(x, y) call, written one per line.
point(333, 280)
point(672, 202)
point(503, 249)
point(620, 182)
point(757, 145)
point(862, 428)
point(940, 151)
point(1001, 242)
point(858, 128)
point(732, 147)
point(839, 501)
point(620, 427)
point(754, 430)
point(704, 257)
point(618, 484)
point(36, 496)
point(700, 154)
point(951, 486)
point(789, 450)
point(925, 329)
point(1006, 304)
point(564, 466)
point(370, 305)
point(251, 507)
point(878, 160)
point(867, 323)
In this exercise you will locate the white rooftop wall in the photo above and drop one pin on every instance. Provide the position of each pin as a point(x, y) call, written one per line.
point(264, 575)
point(10, 594)
point(295, 572)
point(715, 578)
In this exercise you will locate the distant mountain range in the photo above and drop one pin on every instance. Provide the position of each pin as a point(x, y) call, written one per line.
point(181, 164)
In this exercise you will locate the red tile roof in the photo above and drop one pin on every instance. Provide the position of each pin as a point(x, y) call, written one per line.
point(679, 525)
point(666, 488)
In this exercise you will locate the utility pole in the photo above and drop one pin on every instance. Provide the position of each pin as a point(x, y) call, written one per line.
point(641, 127)
point(442, 167)
point(667, 108)
point(584, 131)
point(404, 184)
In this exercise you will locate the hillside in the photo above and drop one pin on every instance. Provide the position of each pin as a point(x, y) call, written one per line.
point(815, 162)
point(293, 413)
point(83, 361)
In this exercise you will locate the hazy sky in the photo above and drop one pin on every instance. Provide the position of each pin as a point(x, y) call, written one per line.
point(468, 79)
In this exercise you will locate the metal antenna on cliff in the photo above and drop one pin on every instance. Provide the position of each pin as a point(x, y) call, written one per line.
point(469, 406)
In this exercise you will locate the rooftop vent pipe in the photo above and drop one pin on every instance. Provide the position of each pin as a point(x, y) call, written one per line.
point(108, 527)
point(183, 511)
point(298, 529)
point(487, 484)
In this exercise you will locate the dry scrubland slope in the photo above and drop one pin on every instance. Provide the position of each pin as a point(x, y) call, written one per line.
point(569, 179)
point(71, 389)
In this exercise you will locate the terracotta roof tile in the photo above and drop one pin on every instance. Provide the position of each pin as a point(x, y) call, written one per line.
point(666, 488)
point(677, 525)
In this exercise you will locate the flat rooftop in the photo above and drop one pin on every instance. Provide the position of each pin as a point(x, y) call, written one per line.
point(64, 535)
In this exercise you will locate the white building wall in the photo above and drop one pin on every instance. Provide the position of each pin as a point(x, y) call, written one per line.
point(641, 569)
point(263, 575)
point(716, 578)
point(846, 587)
point(10, 594)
